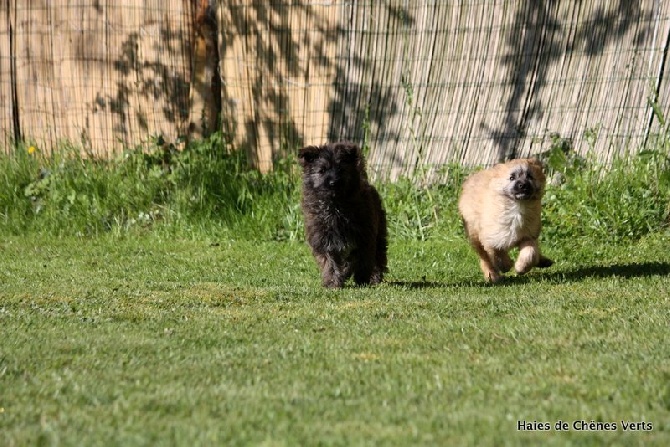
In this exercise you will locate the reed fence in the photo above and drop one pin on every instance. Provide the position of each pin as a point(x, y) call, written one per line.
point(421, 83)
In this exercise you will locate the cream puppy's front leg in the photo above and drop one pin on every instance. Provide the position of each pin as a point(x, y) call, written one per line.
point(529, 256)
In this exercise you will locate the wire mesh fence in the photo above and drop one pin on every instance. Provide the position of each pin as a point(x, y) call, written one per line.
point(423, 83)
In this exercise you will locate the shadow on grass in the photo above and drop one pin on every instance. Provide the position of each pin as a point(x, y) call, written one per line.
point(479, 282)
point(633, 270)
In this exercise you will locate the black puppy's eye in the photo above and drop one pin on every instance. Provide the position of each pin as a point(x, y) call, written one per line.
point(322, 170)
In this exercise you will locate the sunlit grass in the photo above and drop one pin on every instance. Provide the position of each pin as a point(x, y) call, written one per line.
point(147, 340)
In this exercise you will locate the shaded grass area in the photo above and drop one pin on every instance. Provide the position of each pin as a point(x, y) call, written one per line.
point(156, 341)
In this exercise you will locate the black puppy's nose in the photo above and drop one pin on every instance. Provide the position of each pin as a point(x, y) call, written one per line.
point(332, 181)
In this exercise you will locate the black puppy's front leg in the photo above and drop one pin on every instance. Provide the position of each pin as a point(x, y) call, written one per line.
point(335, 270)
point(363, 272)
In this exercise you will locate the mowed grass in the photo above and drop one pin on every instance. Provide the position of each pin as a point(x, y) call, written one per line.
point(145, 340)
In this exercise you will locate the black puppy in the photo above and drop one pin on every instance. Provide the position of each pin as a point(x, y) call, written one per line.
point(345, 223)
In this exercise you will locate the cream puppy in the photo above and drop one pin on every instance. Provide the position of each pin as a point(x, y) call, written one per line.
point(501, 209)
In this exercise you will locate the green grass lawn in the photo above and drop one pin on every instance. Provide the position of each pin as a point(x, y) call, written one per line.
point(149, 341)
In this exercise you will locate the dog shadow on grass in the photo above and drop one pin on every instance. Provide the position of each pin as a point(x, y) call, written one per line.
point(631, 270)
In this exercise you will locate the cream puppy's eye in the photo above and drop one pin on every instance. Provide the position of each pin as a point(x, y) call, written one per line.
point(512, 176)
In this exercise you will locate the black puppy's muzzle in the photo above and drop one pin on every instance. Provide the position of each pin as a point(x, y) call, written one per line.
point(332, 182)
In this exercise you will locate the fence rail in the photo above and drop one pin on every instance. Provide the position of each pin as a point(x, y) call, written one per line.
point(423, 83)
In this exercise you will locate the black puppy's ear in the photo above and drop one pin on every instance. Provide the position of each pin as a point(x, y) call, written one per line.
point(352, 153)
point(308, 154)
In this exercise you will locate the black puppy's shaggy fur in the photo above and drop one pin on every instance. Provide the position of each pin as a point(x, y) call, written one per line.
point(345, 222)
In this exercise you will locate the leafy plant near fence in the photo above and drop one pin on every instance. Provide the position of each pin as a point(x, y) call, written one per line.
point(206, 190)
point(626, 200)
point(204, 187)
